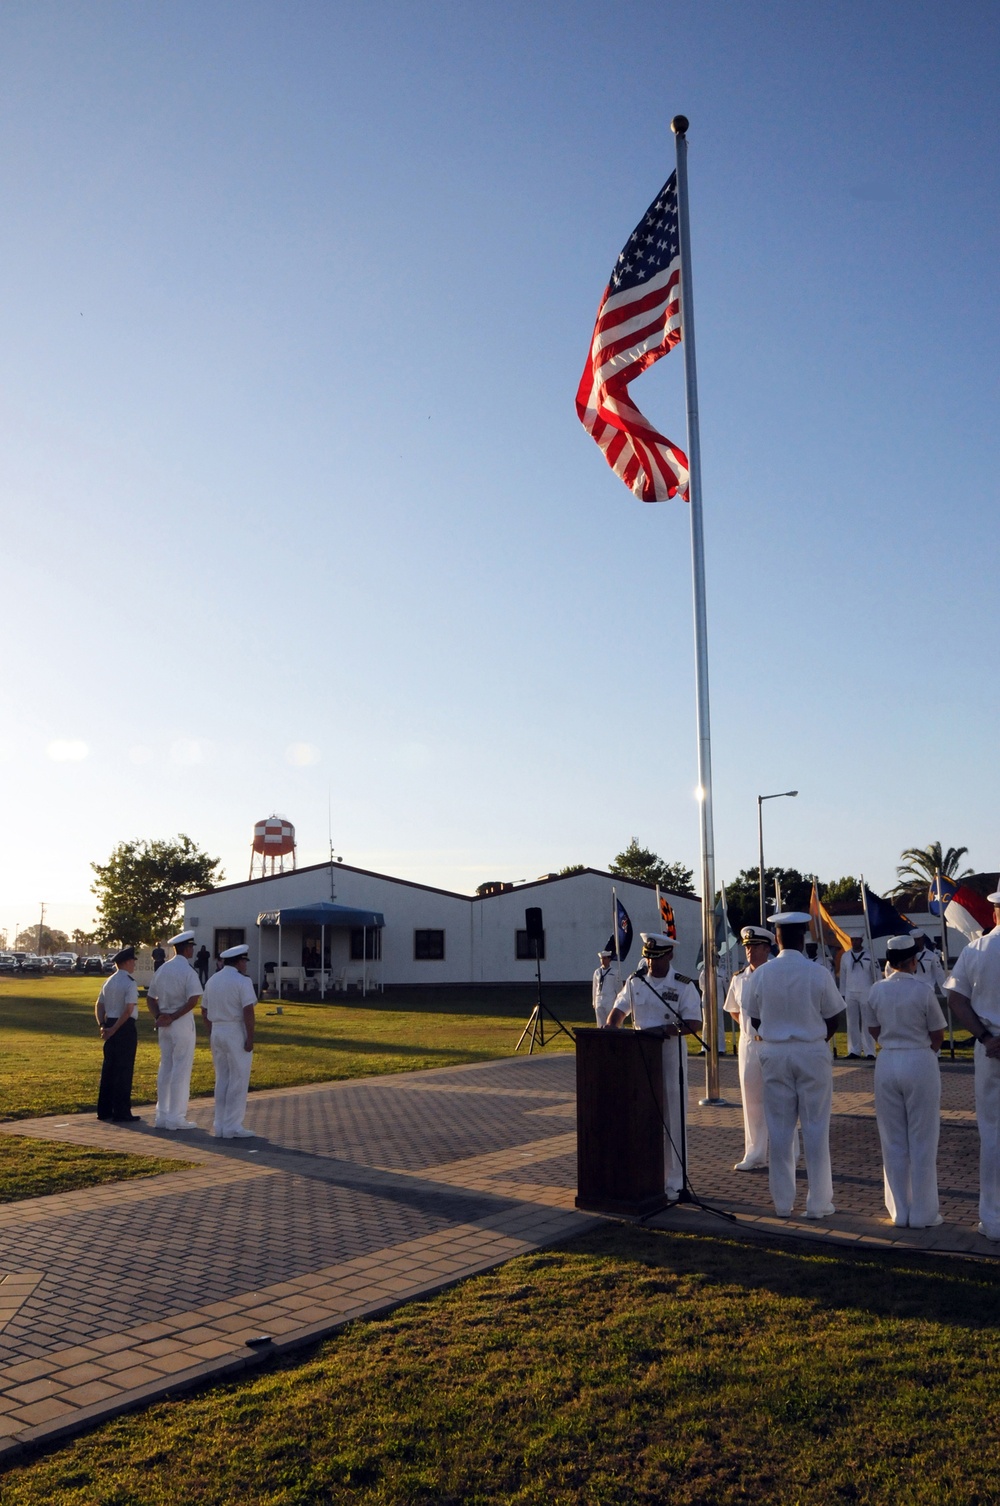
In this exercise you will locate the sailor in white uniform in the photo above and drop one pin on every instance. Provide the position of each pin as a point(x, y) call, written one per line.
point(757, 944)
point(172, 996)
point(666, 1003)
point(906, 1019)
point(973, 993)
point(605, 988)
point(228, 1009)
point(793, 1007)
point(929, 964)
point(857, 974)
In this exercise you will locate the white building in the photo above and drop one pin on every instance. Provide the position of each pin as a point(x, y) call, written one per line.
point(376, 929)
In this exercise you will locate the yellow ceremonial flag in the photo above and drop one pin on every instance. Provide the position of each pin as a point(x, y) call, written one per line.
point(825, 929)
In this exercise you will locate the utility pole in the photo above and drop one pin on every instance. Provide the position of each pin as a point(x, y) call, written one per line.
point(41, 924)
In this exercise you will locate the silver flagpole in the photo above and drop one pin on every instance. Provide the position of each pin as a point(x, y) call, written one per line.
point(944, 957)
point(679, 126)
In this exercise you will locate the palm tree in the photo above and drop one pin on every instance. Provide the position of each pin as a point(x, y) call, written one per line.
point(918, 866)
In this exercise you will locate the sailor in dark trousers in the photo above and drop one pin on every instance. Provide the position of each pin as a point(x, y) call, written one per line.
point(116, 1009)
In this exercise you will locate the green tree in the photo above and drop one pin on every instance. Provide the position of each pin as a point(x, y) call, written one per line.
point(52, 941)
point(572, 868)
point(842, 888)
point(139, 888)
point(646, 867)
point(743, 894)
point(917, 866)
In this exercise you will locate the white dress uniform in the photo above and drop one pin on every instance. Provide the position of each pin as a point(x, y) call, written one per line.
point(653, 1002)
point(930, 968)
point(793, 999)
point(172, 985)
point(976, 974)
point(751, 1081)
point(907, 1095)
point(227, 994)
point(604, 992)
point(857, 974)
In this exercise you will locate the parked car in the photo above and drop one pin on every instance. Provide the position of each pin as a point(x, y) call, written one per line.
point(64, 962)
point(8, 962)
point(29, 962)
point(93, 965)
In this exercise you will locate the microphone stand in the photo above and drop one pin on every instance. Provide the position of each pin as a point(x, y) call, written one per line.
point(686, 1194)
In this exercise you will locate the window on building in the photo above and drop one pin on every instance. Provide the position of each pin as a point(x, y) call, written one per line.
point(225, 939)
point(428, 946)
point(366, 946)
point(524, 947)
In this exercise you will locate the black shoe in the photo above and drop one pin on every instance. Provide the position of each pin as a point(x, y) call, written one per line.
point(106, 1118)
point(126, 1119)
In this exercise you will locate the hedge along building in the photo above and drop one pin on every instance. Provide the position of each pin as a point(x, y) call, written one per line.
point(378, 930)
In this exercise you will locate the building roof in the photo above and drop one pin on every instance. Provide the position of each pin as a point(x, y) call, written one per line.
point(474, 899)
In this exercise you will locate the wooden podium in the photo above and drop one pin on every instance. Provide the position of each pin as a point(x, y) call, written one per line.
point(619, 1122)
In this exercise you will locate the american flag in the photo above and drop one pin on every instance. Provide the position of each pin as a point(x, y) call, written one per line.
point(638, 321)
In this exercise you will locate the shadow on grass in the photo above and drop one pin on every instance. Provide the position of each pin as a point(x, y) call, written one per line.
point(881, 1285)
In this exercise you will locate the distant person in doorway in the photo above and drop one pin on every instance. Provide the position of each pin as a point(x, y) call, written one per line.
point(116, 1008)
point(159, 957)
point(201, 962)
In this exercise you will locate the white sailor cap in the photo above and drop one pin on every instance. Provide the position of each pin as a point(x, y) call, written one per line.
point(901, 947)
point(181, 939)
point(751, 935)
point(656, 943)
point(790, 918)
point(994, 898)
point(234, 952)
point(605, 953)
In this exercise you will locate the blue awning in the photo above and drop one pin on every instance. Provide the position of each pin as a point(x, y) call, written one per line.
point(323, 913)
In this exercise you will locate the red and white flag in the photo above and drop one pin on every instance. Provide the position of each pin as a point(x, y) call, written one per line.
point(638, 321)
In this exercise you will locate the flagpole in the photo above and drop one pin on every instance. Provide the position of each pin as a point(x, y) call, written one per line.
point(868, 929)
point(944, 956)
point(614, 932)
point(679, 126)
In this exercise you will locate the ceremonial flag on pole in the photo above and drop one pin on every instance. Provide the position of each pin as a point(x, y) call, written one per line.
point(620, 939)
point(964, 909)
point(883, 918)
point(825, 929)
point(638, 321)
point(666, 910)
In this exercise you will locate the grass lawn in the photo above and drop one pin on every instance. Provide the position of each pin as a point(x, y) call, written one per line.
point(50, 1051)
point(32, 1168)
point(629, 1366)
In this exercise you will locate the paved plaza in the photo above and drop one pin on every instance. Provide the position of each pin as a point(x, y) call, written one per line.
point(356, 1196)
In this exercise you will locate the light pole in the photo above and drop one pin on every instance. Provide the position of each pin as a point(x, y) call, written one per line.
point(760, 844)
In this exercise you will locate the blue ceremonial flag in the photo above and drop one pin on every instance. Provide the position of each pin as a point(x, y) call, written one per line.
point(622, 934)
point(883, 918)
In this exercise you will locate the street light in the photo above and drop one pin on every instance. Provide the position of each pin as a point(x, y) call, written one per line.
point(760, 844)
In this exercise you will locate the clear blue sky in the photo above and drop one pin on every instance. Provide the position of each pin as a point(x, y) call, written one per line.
point(295, 298)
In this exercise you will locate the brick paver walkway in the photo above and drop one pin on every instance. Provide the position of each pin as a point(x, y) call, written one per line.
point(355, 1196)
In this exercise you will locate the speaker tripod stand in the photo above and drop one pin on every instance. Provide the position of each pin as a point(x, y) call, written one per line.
point(536, 1020)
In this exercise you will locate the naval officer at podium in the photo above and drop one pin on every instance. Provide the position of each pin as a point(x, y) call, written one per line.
point(666, 1003)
